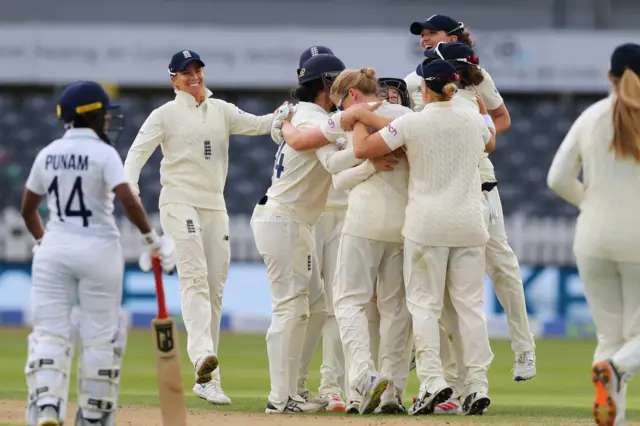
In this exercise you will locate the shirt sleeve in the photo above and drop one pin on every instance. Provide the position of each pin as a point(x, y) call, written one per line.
point(486, 134)
point(36, 182)
point(113, 170)
point(565, 168)
point(331, 128)
point(394, 133)
point(151, 134)
point(335, 160)
point(243, 123)
point(347, 179)
point(489, 93)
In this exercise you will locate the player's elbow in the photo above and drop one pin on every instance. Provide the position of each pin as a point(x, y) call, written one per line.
point(491, 145)
point(554, 181)
point(359, 152)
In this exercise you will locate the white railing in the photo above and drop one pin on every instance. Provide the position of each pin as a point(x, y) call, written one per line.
point(546, 241)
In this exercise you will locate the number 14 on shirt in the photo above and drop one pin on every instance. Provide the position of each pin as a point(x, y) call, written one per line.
point(76, 192)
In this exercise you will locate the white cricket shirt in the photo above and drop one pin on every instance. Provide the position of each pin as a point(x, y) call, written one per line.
point(195, 147)
point(301, 179)
point(445, 143)
point(609, 194)
point(77, 174)
point(337, 198)
point(377, 203)
point(486, 91)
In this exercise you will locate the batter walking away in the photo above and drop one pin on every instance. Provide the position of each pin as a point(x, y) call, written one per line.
point(79, 260)
point(193, 130)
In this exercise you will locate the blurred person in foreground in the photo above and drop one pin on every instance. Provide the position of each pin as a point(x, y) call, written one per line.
point(502, 264)
point(604, 143)
point(444, 230)
point(193, 131)
point(79, 259)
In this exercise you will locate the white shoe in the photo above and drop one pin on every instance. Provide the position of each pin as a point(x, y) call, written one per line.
point(390, 401)
point(475, 404)
point(297, 405)
point(525, 366)
point(371, 391)
point(450, 406)
point(334, 402)
point(212, 392)
point(318, 400)
point(426, 402)
point(607, 383)
point(204, 367)
point(353, 407)
point(48, 416)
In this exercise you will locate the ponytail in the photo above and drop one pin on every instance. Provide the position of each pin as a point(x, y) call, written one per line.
point(364, 80)
point(626, 117)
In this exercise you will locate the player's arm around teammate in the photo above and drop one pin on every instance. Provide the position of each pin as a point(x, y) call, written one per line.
point(194, 130)
point(501, 262)
point(604, 143)
point(78, 258)
point(444, 231)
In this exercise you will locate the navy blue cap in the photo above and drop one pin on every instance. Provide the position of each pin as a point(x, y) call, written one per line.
point(437, 74)
point(437, 23)
point(322, 66)
point(82, 97)
point(625, 56)
point(313, 51)
point(180, 60)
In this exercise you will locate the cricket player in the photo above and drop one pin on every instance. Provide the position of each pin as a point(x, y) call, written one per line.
point(281, 224)
point(193, 130)
point(326, 233)
point(79, 260)
point(444, 230)
point(393, 90)
point(501, 262)
point(381, 280)
point(604, 143)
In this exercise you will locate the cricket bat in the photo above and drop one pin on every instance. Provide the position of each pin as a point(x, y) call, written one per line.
point(172, 404)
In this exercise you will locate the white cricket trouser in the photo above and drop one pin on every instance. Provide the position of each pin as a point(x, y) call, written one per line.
point(201, 238)
point(428, 271)
point(297, 299)
point(326, 235)
point(612, 290)
point(367, 267)
point(69, 269)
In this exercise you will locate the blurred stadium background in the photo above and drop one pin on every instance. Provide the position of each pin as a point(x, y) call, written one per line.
point(549, 59)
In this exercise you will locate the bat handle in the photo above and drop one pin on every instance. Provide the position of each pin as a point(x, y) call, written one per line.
point(157, 273)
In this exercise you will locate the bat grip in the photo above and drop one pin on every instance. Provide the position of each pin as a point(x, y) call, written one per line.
point(157, 273)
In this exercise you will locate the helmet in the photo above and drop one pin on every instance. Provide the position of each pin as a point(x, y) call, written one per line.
point(323, 67)
point(385, 83)
point(87, 102)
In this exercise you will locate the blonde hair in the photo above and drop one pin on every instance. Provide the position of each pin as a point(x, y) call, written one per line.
point(364, 80)
point(626, 116)
point(448, 91)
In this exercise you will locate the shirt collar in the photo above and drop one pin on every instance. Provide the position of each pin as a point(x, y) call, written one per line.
point(189, 100)
point(311, 107)
point(82, 132)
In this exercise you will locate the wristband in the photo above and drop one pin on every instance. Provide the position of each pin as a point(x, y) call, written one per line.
point(489, 121)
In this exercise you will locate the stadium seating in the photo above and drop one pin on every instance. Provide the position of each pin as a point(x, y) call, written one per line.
point(522, 157)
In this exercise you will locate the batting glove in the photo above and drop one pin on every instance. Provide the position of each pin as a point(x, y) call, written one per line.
point(280, 116)
point(162, 246)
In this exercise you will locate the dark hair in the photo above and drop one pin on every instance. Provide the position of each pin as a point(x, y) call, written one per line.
point(308, 92)
point(470, 75)
point(92, 120)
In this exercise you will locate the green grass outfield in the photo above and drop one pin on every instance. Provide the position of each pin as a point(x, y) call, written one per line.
point(560, 394)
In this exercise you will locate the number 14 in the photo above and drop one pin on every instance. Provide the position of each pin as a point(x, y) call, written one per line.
point(76, 190)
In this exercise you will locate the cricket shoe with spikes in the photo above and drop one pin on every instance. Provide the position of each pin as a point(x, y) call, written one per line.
point(450, 406)
point(606, 380)
point(390, 401)
point(334, 402)
point(371, 391)
point(353, 407)
point(313, 399)
point(48, 416)
point(475, 404)
point(295, 405)
point(524, 367)
point(211, 392)
point(426, 402)
point(204, 367)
